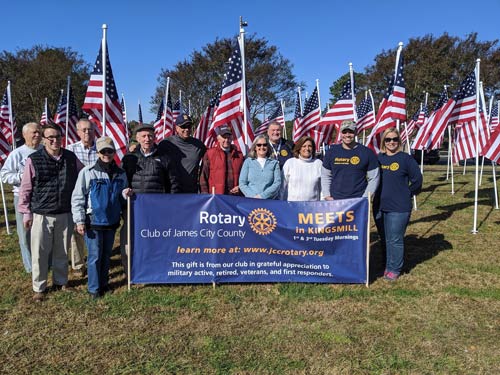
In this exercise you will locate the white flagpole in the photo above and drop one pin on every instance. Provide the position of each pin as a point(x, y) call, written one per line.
point(45, 109)
point(5, 213)
point(11, 115)
point(243, 78)
point(474, 226)
point(319, 99)
point(283, 113)
point(351, 73)
point(124, 110)
point(300, 100)
point(189, 107)
point(180, 102)
point(67, 109)
point(167, 89)
point(104, 74)
point(483, 103)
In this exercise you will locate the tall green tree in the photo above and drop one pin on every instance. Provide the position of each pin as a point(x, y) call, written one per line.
point(269, 76)
point(40, 72)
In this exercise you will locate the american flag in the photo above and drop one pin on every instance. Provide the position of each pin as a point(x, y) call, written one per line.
point(125, 120)
point(277, 116)
point(342, 110)
point(460, 108)
point(159, 121)
point(492, 148)
point(229, 111)
point(394, 108)
point(169, 118)
point(202, 131)
point(366, 115)
point(5, 124)
point(410, 126)
point(46, 115)
point(494, 117)
point(93, 104)
point(310, 118)
point(421, 139)
point(176, 110)
point(322, 135)
point(297, 115)
point(4, 148)
point(60, 117)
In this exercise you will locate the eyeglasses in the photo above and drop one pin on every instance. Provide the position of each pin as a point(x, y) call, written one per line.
point(261, 145)
point(107, 151)
point(53, 138)
point(86, 130)
point(395, 139)
point(187, 126)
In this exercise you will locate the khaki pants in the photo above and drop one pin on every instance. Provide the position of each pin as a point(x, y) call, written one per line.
point(50, 235)
point(77, 253)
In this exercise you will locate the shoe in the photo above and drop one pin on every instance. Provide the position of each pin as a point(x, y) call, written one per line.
point(94, 296)
point(105, 290)
point(38, 297)
point(391, 276)
point(79, 272)
point(63, 288)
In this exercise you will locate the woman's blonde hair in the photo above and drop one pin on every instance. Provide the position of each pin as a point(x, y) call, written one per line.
point(384, 134)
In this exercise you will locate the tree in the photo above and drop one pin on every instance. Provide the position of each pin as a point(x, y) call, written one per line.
point(269, 76)
point(431, 62)
point(336, 88)
point(40, 72)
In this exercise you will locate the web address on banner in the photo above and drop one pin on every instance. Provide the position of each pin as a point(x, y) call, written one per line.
point(286, 252)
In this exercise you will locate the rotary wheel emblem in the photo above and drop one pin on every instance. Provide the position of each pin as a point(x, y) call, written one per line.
point(355, 160)
point(394, 167)
point(262, 221)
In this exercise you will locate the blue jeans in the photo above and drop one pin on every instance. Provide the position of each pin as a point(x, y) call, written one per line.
point(99, 245)
point(391, 228)
point(24, 237)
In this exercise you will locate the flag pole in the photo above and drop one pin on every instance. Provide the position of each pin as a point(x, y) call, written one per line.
point(319, 99)
point(449, 162)
point(167, 89)
point(351, 74)
point(11, 117)
point(104, 74)
point(67, 109)
point(124, 115)
point(283, 113)
point(5, 213)
point(45, 109)
point(474, 226)
point(483, 104)
point(243, 78)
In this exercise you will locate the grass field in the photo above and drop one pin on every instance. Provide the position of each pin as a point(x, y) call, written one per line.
point(440, 317)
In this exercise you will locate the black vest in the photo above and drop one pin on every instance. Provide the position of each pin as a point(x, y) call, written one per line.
point(54, 182)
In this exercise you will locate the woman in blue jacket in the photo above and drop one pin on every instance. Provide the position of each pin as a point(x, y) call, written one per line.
point(96, 205)
point(400, 181)
point(260, 175)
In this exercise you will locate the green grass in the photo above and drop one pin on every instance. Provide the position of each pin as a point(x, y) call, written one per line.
point(440, 317)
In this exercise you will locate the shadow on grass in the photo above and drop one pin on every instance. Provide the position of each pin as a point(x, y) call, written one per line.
point(417, 250)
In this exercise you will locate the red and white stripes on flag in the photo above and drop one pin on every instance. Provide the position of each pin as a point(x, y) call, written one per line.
point(310, 118)
point(93, 104)
point(60, 118)
point(6, 126)
point(46, 115)
point(342, 110)
point(230, 108)
point(202, 131)
point(322, 135)
point(366, 115)
point(277, 116)
point(492, 148)
point(394, 108)
point(465, 139)
point(4, 148)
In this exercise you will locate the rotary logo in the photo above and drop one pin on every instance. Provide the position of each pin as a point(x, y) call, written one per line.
point(394, 167)
point(355, 160)
point(262, 221)
point(284, 153)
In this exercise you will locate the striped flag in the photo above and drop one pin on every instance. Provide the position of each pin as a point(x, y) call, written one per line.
point(297, 115)
point(366, 115)
point(93, 104)
point(492, 148)
point(310, 118)
point(230, 108)
point(46, 115)
point(202, 131)
point(465, 139)
point(176, 110)
point(159, 121)
point(494, 117)
point(323, 135)
point(5, 115)
point(419, 143)
point(60, 117)
point(4, 148)
point(343, 109)
point(394, 108)
point(277, 116)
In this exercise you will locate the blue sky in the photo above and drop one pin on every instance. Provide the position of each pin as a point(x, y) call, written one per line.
point(319, 37)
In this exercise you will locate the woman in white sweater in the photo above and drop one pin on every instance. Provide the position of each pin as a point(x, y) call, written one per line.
point(301, 175)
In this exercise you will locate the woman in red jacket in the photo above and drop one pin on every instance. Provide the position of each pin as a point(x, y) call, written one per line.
point(221, 166)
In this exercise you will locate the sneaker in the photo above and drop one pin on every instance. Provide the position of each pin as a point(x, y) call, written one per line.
point(391, 276)
point(38, 297)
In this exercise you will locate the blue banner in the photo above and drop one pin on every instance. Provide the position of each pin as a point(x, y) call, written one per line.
point(189, 238)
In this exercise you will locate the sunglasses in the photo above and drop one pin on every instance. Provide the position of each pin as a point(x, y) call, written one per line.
point(107, 151)
point(261, 145)
point(395, 139)
point(347, 131)
point(187, 126)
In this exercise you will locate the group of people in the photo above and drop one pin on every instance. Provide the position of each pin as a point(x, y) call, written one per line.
point(65, 197)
